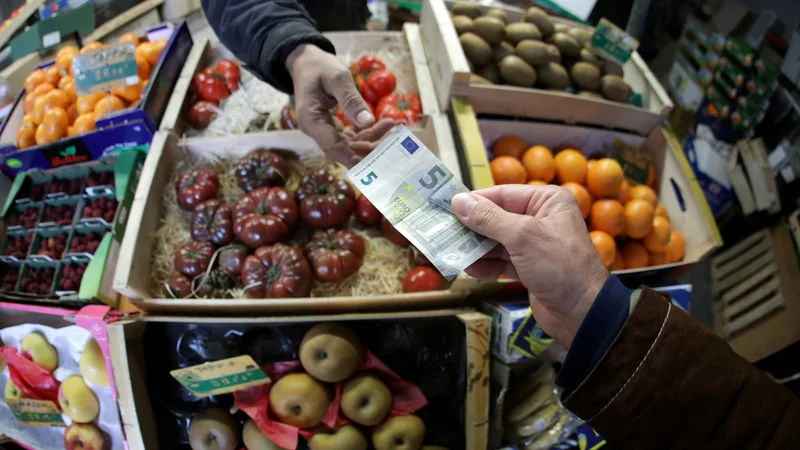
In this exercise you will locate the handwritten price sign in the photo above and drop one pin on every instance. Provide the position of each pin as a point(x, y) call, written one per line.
point(221, 377)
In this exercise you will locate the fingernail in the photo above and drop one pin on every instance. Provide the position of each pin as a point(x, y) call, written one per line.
point(364, 118)
point(463, 203)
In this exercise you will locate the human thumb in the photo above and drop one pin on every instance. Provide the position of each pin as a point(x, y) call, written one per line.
point(483, 216)
point(353, 105)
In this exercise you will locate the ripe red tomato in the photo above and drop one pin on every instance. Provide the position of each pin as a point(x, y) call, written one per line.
point(392, 112)
point(231, 259)
point(276, 271)
point(377, 85)
point(366, 212)
point(366, 64)
point(211, 221)
point(421, 279)
point(195, 187)
point(264, 216)
point(325, 201)
point(201, 114)
point(392, 234)
point(335, 254)
point(180, 285)
point(408, 104)
point(197, 81)
point(230, 72)
point(193, 258)
point(213, 88)
point(261, 168)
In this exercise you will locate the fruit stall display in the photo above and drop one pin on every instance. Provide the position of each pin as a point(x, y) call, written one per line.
point(510, 61)
point(45, 358)
point(357, 382)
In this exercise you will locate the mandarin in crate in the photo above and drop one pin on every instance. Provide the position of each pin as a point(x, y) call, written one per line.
point(69, 88)
point(143, 67)
point(154, 51)
point(87, 103)
point(56, 98)
point(64, 62)
point(590, 163)
point(618, 264)
point(84, 123)
point(90, 47)
point(583, 197)
point(605, 246)
point(657, 239)
point(25, 137)
point(661, 211)
point(130, 93)
point(27, 104)
point(42, 89)
point(53, 75)
point(676, 247)
point(609, 216)
point(39, 136)
point(645, 193)
point(69, 49)
point(638, 218)
point(605, 178)
point(634, 255)
point(72, 113)
point(624, 195)
point(571, 166)
point(657, 259)
point(510, 145)
point(537, 183)
point(36, 78)
point(129, 37)
point(142, 49)
point(539, 163)
point(507, 170)
point(107, 105)
point(54, 126)
point(38, 110)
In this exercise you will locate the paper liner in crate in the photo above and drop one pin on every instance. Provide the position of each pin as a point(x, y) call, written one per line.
point(406, 399)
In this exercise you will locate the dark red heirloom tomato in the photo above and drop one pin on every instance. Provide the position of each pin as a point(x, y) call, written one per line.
point(276, 271)
point(230, 72)
point(325, 201)
point(366, 212)
point(231, 259)
point(335, 254)
point(421, 279)
point(409, 105)
point(211, 221)
point(215, 285)
point(180, 285)
point(201, 113)
point(264, 216)
point(261, 168)
point(195, 187)
point(392, 234)
point(193, 258)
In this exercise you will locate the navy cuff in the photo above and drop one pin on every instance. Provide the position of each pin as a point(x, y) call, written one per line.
point(597, 331)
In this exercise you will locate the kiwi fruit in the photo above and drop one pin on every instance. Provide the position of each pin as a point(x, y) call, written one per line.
point(516, 72)
point(590, 94)
point(538, 17)
point(517, 32)
point(614, 88)
point(581, 35)
point(533, 52)
point(561, 28)
point(490, 29)
point(491, 73)
point(610, 68)
point(471, 10)
point(476, 49)
point(554, 53)
point(589, 57)
point(498, 14)
point(568, 46)
point(477, 79)
point(463, 24)
point(502, 50)
point(553, 76)
point(585, 76)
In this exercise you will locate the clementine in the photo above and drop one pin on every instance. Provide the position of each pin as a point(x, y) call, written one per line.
point(539, 164)
point(638, 218)
point(676, 247)
point(537, 183)
point(142, 49)
point(87, 103)
point(571, 166)
point(582, 196)
point(54, 98)
point(107, 105)
point(36, 78)
point(64, 63)
point(661, 211)
point(42, 89)
point(39, 136)
point(605, 246)
point(590, 163)
point(657, 239)
point(609, 216)
point(509, 145)
point(67, 50)
point(54, 126)
point(507, 170)
point(154, 52)
point(53, 74)
point(634, 255)
point(645, 193)
point(72, 113)
point(38, 110)
point(130, 93)
point(605, 178)
point(624, 195)
point(657, 259)
point(84, 123)
point(143, 67)
point(129, 37)
point(25, 137)
point(618, 264)
point(28, 103)
point(90, 47)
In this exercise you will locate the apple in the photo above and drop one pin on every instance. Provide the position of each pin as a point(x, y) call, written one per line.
point(84, 436)
point(77, 400)
point(254, 439)
point(36, 348)
point(399, 433)
point(12, 391)
point(330, 352)
point(92, 364)
point(346, 438)
point(213, 429)
point(366, 400)
point(299, 400)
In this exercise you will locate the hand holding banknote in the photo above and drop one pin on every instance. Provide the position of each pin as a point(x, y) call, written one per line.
point(543, 243)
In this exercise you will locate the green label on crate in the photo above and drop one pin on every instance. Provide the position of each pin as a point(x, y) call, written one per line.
point(634, 161)
point(110, 67)
point(613, 44)
point(36, 413)
point(221, 377)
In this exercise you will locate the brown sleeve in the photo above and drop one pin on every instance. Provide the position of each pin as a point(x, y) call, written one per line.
point(667, 382)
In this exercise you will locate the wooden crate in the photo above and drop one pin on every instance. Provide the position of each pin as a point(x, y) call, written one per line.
point(757, 283)
point(451, 76)
point(128, 355)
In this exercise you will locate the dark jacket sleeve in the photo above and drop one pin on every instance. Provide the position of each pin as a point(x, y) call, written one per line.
point(262, 33)
point(667, 382)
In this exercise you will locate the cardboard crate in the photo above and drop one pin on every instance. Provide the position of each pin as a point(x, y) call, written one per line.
point(129, 357)
point(451, 76)
point(130, 127)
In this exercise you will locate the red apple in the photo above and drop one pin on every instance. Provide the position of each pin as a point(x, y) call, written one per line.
point(84, 436)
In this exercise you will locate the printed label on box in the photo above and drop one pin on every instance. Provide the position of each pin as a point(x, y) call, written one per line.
point(613, 44)
point(634, 161)
point(110, 67)
point(221, 377)
point(51, 39)
point(529, 339)
point(36, 413)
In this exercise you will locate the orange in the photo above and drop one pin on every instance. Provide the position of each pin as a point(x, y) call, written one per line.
point(583, 197)
point(70, 131)
point(69, 49)
point(54, 98)
point(590, 163)
point(107, 105)
point(57, 116)
point(571, 166)
point(657, 239)
point(27, 122)
point(91, 46)
point(84, 123)
point(618, 264)
point(129, 37)
point(675, 247)
point(36, 78)
point(657, 259)
point(638, 218)
point(69, 89)
point(64, 80)
point(87, 103)
point(25, 137)
point(142, 50)
point(72, 113)
point(634, 255)
point(154, 52)
point(537, 183)
point(645, 193)
point(42, 89)
point(53, 74)
point(28, 103)
point(608, 216)
point(605, 179)
point(38, 110)
point(651, 175)
point(39, 136)
point(143, 66)
point(661, 211)
point(55, 124)
point(130, 93)
point(64, 63)
point(605, 246)
point(624, 195)
point(510, 145)
point(538, 162)
point(507, 170)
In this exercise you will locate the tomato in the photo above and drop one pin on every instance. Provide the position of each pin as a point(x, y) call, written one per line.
point(180, 286)
point(421, 279)
point(231, 259)
point(264, 216)
point(366, 64)
point(392, 234)
point(276, 271)
point(377, 85)
point(210, 86)
point(215, 285)
point(193, 258)
point(230, 72)
point(195, 187)
point(211, 221)
point(366, 212)
point(345, 122)
point(391, 112)
point(201, 114)
point(409, 104)
point(335, 254)
point(289, 117)
point(261, 168)
point(325, 200)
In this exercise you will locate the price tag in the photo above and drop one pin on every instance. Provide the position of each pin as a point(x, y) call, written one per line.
point(110, 67)
point(36, 413)
point(221, 377)
point(634, 161)
point(611, 43)
point(51, 39)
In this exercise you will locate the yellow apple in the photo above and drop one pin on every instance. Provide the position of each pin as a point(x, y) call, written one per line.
point(254, 439)
point(213, 429)
point(77, 400)
point(84, 436)
point(399, 433)
point(366, 400)
point(299, 400)
point(93, 365)
point(36, 348)
point(330, 352)
point(12, 391)
point(346, 438)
